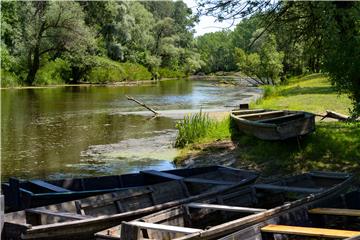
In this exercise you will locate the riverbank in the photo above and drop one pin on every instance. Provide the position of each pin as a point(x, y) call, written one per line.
point(227, 81)
point(334, 145)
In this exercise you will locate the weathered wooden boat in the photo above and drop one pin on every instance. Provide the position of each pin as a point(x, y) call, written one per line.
point(80, 219)
point(34, 193)
point(232, 211)
point(274, 125)
point(337, 217)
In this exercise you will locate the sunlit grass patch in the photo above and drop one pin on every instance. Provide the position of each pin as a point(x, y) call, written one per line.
point(313, 93)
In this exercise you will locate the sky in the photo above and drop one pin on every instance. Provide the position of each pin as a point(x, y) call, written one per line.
point(208, 24)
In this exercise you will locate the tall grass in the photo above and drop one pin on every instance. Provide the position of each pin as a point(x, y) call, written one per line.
point(199, 127)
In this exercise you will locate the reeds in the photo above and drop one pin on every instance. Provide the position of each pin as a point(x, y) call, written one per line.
point(200, 127)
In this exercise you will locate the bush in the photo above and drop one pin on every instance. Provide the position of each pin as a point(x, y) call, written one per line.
point(168, 73)
point(136, 71)
point(9, 79)
point(53, 72)
point(106, 70)
point(200, 127)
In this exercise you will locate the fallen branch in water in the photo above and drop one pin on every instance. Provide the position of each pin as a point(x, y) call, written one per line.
point(143, 104)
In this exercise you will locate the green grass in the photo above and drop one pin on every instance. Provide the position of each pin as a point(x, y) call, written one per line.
point(333, 146)
point(200, 128)
point(312, 93)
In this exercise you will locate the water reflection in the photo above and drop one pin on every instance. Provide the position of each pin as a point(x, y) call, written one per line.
point(45, 132)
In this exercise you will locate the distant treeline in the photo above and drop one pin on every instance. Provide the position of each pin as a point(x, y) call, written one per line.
point(53, 42)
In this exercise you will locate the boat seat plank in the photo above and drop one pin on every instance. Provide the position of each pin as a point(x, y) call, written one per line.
point(49, 186)
point(330, 175)
point(208, 181)
point(336, 211)
point(225, 208)
point(260, 114)
point(309, 231)
point(165, 228)
point(354, 238)
point(287, 188)
point(68, 215)
point(281, 118)
point(162, 174)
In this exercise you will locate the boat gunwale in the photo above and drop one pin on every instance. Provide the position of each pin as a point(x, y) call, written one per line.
point(307, 115)
point(252, 219)
point(55, 228)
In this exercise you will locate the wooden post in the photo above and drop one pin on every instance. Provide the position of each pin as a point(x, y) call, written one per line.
point(15, 192)
point(129, 231)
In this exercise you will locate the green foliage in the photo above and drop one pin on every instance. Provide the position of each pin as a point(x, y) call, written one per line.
point(216, 51)
point(53, 72)
point(133, 33)
point(200, 127)
point(9, 79)
point(169, 73)
point(264, 65)
point(105, 70)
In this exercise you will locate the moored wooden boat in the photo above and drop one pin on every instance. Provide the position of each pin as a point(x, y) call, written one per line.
point(231, 211)
point(35, 193)
point(274, 125)
point(337, 217)
point(80, 219)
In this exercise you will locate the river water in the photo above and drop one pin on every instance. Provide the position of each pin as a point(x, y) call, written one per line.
point(73, 131)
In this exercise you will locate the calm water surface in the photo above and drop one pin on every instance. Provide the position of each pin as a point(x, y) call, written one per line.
point(80, 131)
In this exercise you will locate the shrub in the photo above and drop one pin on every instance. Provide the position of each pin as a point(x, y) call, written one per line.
point(169, 73)
point(106, 70)
point(53, 72)
point(9, 79)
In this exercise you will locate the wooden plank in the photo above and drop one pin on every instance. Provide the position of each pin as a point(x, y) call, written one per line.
point(226, 208)
point(49, 186)
point(281, 118)
point(114, 199)
point(208, 181)
point(260, 114)
point(165, 228)
point(68, 215)
point(330, 175)
point(354, 238)
point(287, 188)
point(129, 231)
point(336, 211)
point(309, 231)
point(162, 174)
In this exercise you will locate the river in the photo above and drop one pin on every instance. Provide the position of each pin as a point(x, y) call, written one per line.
point(73, 131)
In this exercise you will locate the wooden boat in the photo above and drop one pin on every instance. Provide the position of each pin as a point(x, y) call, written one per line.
point(34, 193)
point(274, 125)
point(80, 219)
point(337, 217)
point(232, 211)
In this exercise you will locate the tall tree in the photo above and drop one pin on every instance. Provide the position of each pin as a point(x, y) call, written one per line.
point(50, 28)
point(330, 29)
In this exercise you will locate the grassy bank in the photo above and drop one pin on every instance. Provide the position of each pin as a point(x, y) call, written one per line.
point(334, 145)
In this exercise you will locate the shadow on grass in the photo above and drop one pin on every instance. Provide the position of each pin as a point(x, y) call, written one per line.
point(334, 146)
point(297, 90)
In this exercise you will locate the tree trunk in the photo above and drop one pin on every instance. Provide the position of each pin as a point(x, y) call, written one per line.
point(34, 65)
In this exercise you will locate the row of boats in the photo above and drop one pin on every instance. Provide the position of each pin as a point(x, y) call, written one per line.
point(200, 203)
